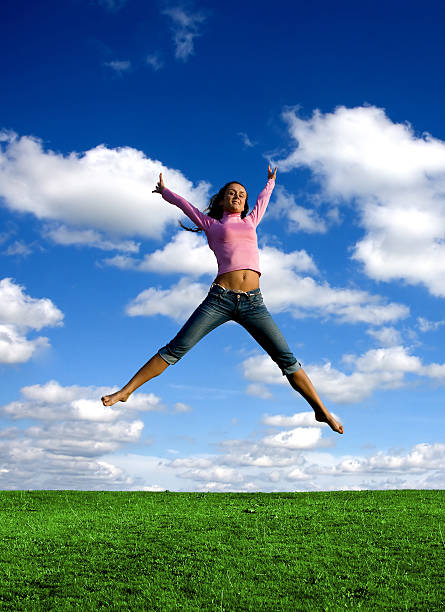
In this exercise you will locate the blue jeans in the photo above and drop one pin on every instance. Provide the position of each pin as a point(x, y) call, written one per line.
point(247, 309)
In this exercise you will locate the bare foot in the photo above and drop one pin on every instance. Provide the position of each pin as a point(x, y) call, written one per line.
point(326, 417)
point(119, 396)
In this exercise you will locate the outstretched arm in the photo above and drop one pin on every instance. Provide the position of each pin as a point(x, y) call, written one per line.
point(263, 199)
point(199, 218)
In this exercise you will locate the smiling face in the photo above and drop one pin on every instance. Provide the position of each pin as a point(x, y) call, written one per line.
point(234, 198)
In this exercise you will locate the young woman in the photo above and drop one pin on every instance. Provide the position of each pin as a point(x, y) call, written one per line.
point(234, 295)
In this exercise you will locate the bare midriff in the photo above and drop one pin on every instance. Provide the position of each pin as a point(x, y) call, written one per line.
point(239, 280)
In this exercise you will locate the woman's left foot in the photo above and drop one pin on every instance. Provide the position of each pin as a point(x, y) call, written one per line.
point(326, 417)
point(119, 396)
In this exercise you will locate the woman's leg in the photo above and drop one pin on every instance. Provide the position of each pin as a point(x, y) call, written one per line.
point(301, 383)
point(259, 323)
point(154, 366)
point(210, 314)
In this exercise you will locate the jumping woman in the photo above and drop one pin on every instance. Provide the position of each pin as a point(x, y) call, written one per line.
point(234, 295)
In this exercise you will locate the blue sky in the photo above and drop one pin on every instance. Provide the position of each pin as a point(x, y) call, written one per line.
point(98, 97)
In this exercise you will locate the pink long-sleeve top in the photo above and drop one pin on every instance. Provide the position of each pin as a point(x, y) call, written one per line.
point(232, 239)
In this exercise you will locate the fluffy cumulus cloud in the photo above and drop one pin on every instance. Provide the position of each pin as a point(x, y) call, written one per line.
point(19, 314)
point(300, 218)
point(171, 258)
point(382, 368)
point(286, 285)
point(245, 465)
point(299, 419)
point(286, 289)
point(420, 459)
point(16, 347)
point(69, 440)
point(178, 302)
point(70, 431)
point(395, 178)
point(386, 336)
point(297, 438)
point(99, 192)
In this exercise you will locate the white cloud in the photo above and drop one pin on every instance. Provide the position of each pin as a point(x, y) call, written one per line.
point(383, 368)
point(73, 431)
point(300, 219)
point(297, 474)
point(102, 189)
point(396, 179)
point(261, 369)
point(181, 407)
point(15, 347)
point(299, 419)
point(420, 458)
point(283, 287)
point(120, 67)
point(191, 462)
point(426, 326)
point(247, 142)
point(243, 453)
point(386, 336)
point(178, 302)
point(185, 29)
point(53, 402)
point(34, 467)
point(19, 309)
point(258, 390)
point(435, 371)
point(200, 259)
point(392, 359)
point(254, 467)
point(78, 450)
point(18, 248)
point(217, 474)
point(68, 237)
point(171, 258)
point(272, 260)
point(20, 313)
point(298, 438)
point(341, 388)
point(154, 61)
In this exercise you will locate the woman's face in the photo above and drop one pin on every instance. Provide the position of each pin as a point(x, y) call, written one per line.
point(234, 198)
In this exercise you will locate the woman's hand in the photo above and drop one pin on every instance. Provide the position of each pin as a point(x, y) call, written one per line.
point(160, 186)
point(271, 174)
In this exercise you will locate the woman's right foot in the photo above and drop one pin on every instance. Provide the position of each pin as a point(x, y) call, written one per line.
point(323, 416)
point(119, 396)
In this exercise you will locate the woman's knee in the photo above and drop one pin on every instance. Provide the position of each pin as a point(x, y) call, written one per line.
point(288, 370)
point(168, 357)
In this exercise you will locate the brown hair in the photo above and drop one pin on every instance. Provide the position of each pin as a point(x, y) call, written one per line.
point(215, 210)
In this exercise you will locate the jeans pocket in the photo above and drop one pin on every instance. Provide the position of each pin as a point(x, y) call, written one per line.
point(256, 301)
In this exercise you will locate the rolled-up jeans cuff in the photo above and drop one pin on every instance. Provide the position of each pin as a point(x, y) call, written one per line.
point(292, 368)
point(167, 357)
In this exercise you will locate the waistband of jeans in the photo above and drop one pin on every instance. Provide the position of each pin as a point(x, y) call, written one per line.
point(214, 287)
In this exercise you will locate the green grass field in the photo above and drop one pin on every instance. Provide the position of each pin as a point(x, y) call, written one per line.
point(74, 550)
